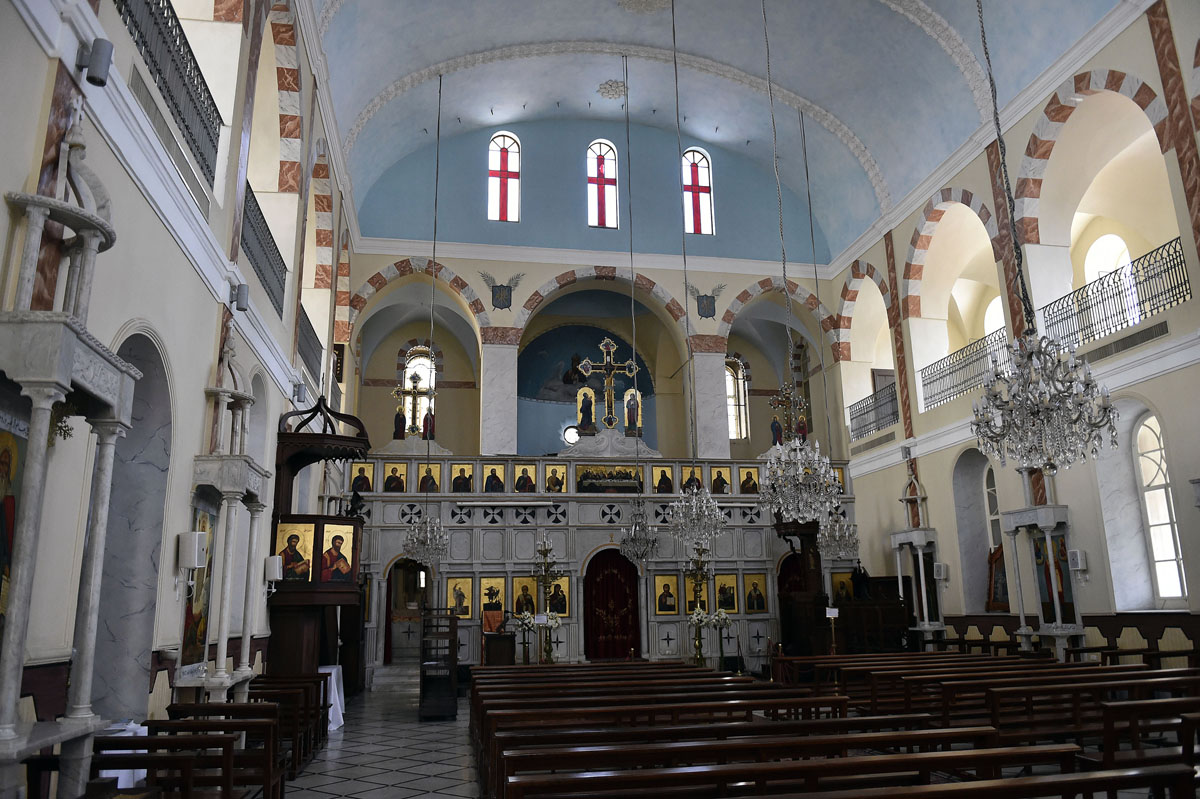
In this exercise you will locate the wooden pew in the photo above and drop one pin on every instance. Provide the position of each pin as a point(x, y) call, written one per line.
point(777, 777)
point(296, 721)
point(1132, 721)
point(209, 768)
point(261, 761)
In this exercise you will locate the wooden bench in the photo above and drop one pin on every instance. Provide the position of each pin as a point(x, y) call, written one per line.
point(790, 775)
point(1132, 721)
point(260, 762)
point(213, 758)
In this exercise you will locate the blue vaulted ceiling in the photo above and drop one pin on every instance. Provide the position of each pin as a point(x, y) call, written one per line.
point(892, 87)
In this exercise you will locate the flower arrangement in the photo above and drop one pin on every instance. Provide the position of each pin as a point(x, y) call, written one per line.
point(553, 622)
point(698, 618)
point(719, 620)
point(524, 622)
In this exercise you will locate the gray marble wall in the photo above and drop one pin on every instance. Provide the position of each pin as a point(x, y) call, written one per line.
point(1121, 507)
point(970, 516)
point(135, 531)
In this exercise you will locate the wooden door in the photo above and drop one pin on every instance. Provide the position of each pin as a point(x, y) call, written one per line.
point(611, 626)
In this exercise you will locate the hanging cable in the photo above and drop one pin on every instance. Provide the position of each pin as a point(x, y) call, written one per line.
point(816, 283)
point(437, 166)
point(637, 442)
point(687, 319)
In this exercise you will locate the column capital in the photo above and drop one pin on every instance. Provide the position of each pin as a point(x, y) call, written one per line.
point(230, 497)
point(108, 428)
point(43, 394)
point(256, 508)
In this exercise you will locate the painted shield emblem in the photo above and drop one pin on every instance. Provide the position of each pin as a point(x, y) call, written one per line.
point(501, 297)
point(706, 306)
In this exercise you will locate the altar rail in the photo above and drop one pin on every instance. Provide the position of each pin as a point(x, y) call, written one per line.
point(741, 479)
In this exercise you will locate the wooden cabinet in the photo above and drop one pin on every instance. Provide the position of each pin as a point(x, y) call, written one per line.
point(439, 665)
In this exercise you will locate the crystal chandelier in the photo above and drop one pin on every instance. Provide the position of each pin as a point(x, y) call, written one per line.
point(798, 483)
point(427, 541)
point(1044, 410)
point(639, 541)
point(695, 519)
point(838, 538)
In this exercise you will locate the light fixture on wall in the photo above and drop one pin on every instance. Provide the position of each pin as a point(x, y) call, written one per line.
point(239, 296)
point(95, 59)
point(272, 572)
point(799, 483)
point(299, 393)
point(1044, 410)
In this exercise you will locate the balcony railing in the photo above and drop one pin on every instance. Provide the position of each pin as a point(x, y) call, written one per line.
point(160, 39)
point(1123, 298)
point(310, 347)
point(260, 247)
point(874, 413)
point(963, 370)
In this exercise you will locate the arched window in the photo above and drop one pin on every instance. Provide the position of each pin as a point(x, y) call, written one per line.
point(1107, 254)
point(504, 178)
point(419, 363)
point(1158, 509)
point(993, 316)
point(697, 193)
point(602, 184)
point(992, 501)
point(735, 396)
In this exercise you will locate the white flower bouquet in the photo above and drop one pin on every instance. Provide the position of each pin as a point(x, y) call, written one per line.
point(698, 618)
point(553, 622)
point(719, 620)
point(524, 622)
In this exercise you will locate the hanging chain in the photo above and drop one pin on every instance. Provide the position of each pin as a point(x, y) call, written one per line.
point(437, 166)
point(687, 319)
point(637, 443)
point(1027, 306)
point(816, 285)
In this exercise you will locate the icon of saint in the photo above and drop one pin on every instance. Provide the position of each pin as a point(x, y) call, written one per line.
point(692, 482)
point(666, 600)
point(585, 413)
point(755, 600)
point(394, 481)
point(462, 482)
point(335, 567)
point(427, 425)
point(776, 431)
point(554, 483)
point(631, 412)
point(720, 485)
point(558, 600)
point(428, 482)
point(493, 483)
point(295, 565)
point(524, 601)
point(749, 484)
point(524, 483)
point(665, 485)
point(362, 483)
point(398, 425)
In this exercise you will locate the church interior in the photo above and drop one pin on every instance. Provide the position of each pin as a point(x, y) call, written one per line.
point(636, 397)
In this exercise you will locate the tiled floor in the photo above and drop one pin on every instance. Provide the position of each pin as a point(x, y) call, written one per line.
point(383, 752)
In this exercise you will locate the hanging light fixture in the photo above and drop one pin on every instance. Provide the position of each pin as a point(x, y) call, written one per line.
point(1040, 406)
point(799, 483)
point(694, 519)
point(838, 538)
point(639, 541)
point(426, 541)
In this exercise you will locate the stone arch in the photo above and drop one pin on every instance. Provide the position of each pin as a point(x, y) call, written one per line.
point(1058, 110)
point(287, 72)
point(918, 248)
point(858, 271)
point(402, 356)
point(828, 321)
point(573, 276)
point(380, 280)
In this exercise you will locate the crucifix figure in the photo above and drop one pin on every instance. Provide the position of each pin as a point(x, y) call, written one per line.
point(788, 402)
point(609, 369)
point(413, 395)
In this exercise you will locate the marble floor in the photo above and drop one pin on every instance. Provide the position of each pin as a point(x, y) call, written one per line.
point(383, 752)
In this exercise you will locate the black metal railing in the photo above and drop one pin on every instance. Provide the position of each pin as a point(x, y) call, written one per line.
point(259, 245)
point(310, 346)
point(963, 369)
point(160, 39)
point(1122, 298)
point(874, 413)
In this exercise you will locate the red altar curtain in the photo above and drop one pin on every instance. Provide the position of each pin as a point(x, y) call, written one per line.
point(610, 601)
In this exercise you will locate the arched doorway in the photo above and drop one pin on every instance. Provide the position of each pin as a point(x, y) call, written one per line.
point(611, 611)
point(129, 587)
point(802, 626)
point(408, 592)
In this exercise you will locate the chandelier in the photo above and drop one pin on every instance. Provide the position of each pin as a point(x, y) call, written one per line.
point(1044, 410)
point(639, 541)
point(838, 538)
point(695, 519)
point(427, 541)
point(798, 483)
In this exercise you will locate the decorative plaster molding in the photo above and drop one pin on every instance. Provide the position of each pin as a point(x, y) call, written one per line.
point(612, 89)
point(697, 63)
point(327, 13)
point(946, 35)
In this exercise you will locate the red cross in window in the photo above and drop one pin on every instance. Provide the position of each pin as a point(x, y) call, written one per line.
point(695, 189)
point(600, 182)
point(505, 176)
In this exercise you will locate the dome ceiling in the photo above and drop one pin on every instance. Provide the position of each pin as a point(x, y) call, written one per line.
point(891, 87)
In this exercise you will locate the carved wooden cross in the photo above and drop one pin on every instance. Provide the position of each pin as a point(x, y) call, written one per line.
point(609, 369)
point(790, 403)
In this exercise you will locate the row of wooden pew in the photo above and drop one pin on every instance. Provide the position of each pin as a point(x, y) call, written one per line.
point(845, 726)
point(231, 750)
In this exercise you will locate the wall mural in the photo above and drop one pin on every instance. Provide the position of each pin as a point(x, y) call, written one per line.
point(549, 380)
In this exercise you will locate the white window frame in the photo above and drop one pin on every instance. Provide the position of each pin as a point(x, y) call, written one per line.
point(1172, 523)
point(415, 354)
point(991, 511)
point(737, 406)
point(688, 221)
point(494, 183)
point(612, 203)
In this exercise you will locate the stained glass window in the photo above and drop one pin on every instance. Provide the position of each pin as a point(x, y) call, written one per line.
point(1158, 507)
point(697, 193)
point(602, 184)
point(504, 178)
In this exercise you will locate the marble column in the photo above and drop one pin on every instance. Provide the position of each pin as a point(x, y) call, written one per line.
point(1023, 632)
point(24, 552)
point(498, 400)
point(923, 590)
point(230, 501)
point(87, 610)
point(250, 599)
point(35, 223)
point(712, 412)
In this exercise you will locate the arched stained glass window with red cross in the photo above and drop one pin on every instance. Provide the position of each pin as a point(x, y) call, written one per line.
point(504, 178)
point(697, 193)
point(602, 184)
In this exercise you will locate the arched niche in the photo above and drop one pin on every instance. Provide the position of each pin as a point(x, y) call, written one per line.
point(871, 350)
point(970, 516)
point(129, 586)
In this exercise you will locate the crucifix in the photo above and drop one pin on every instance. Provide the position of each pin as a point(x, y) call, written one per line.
point(609, 368)
point(790, 403)
point(413, 394)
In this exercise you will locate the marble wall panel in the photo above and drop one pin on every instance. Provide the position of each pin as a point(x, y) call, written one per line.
point(460, 545)
point(493, 543)
point(970, 514)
